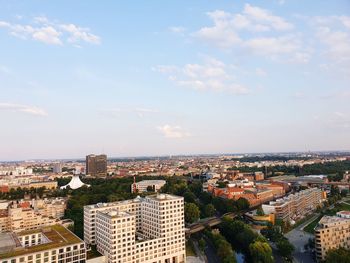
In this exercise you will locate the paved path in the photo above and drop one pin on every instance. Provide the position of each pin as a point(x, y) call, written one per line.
point(199, 253)
point(191, 259)
point(299, 238)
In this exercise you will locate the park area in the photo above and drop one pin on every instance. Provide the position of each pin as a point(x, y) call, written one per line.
point(341, 206)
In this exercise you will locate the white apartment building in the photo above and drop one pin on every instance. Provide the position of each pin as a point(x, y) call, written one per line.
point(54, 244)
point(142, 230)
point(295, 206)
point(141, 187)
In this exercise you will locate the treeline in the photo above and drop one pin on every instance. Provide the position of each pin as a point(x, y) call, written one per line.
point(223, 248)
point(254, 246)
point(331, 168)
point(201, 204)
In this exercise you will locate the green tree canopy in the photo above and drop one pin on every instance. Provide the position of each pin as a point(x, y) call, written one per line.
point(192, 212)
point(209, 210)
point(340, 255)
point(261, 252)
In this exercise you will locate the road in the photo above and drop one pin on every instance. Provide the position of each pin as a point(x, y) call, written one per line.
point(299, 238)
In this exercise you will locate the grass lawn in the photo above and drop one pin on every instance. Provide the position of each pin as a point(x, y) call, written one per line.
point(310, 227)
point(342, 206)
point(330, 212)
point(190, 249)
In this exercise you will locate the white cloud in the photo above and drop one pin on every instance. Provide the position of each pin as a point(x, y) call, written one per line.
point(256, 30)
point(260, 72)
point(213, 75)
point(177, 29)
point(176, 132)
point(268, 46)
point(32, 110)
point(260, 15)
point(80, 34)
point(48, 35)
point(51, 32)
point(337, 43)
point(5, 70)
point(117, 112)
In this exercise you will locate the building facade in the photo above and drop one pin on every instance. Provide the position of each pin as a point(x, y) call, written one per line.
point(150, 229)
point(17, 216)
point(331, 232)
point(96, 165)
point(295, 206)
point(144, 185)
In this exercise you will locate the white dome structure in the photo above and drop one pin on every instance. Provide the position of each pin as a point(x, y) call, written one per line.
point(74, 183)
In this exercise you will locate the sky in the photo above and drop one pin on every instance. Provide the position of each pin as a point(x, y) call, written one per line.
point(148, 78)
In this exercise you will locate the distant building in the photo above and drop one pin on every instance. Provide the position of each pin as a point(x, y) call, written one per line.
point(57, 168)
point(7, 184)
point(144, 185)
point(332, 232)
point(259, 221)
point(144, 230)
point(49, 244)
point(74, 183)
point(96, 165)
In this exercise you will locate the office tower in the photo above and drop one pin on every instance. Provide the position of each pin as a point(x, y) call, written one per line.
point(142, 230)
point(57, 168)
point(54, 244)
point(96, 165)
point(332, 232)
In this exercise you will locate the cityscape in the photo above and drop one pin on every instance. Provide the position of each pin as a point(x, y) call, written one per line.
point(175, 131)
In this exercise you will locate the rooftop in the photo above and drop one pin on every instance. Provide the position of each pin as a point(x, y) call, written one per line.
point(146, 182)
point(331, 221)
point(58, 235)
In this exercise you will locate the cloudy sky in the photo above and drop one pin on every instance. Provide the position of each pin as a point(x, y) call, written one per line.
point(173, 77)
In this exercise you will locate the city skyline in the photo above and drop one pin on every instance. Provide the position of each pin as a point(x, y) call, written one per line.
point(175, 78)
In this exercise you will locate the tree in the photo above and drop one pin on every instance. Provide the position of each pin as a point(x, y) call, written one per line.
point(189, 197)
point(191, 212)
point(260, 211)
point(202, 244)
point(242, 203)
point(209, 210)
point(261, 252)
point(285, 248)
point(340, 255)
point(224, 249)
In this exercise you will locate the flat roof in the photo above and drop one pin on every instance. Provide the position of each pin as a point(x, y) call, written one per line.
point(58, 235)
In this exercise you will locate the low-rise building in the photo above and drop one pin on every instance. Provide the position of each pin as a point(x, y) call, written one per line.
point(23, 215)
point(54, 244)
point(145, 185)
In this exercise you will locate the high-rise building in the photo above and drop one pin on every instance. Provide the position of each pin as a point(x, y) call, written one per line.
point(332, 232)
point(50, 244)
point(96, 165)
point(142, 230)
point(57, 168)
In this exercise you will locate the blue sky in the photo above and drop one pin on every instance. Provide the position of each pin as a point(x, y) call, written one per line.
point(173, 77)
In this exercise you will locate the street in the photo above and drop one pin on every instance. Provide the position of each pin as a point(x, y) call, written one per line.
point(299, 238)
